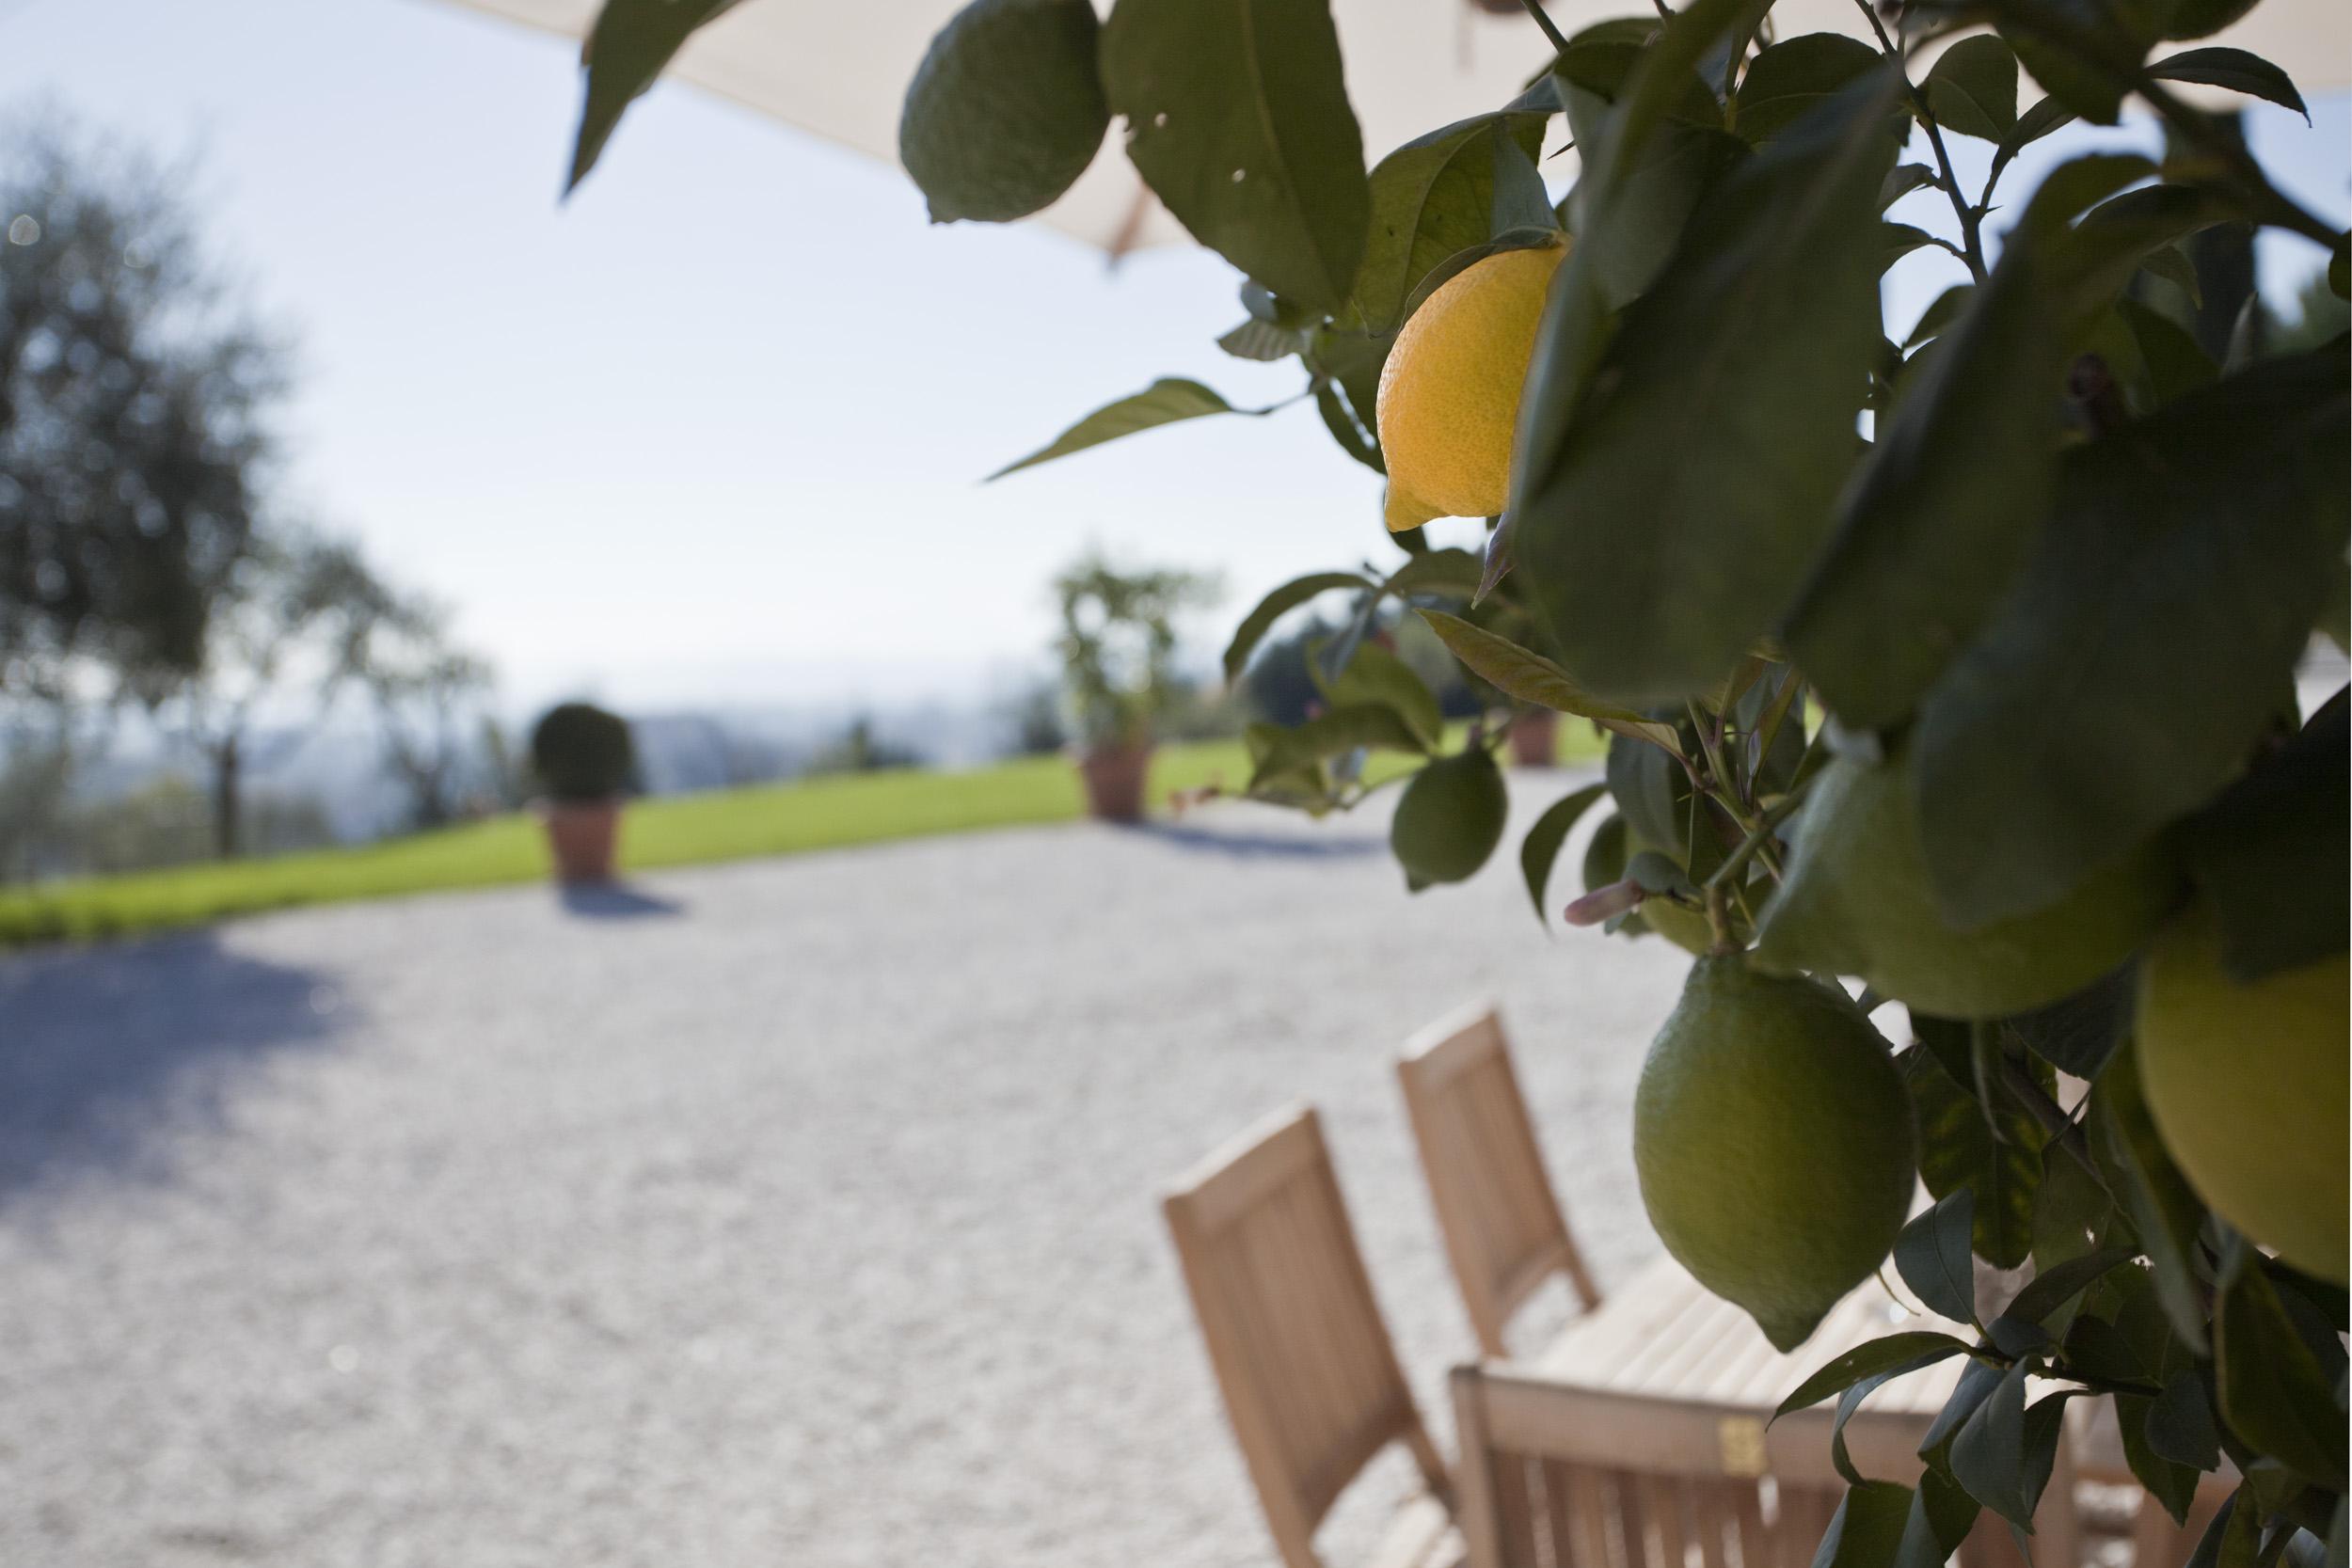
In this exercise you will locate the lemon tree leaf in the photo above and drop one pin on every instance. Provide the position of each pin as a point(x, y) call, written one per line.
point(1279, 749)
point(1372, 675)
point(2141, 652)
point(2180, 1423)
point(2173, 1484)
point(1667, 506)
point(1941, 514)
point(1530, 677)
point(1238, 119)
point(2275, 1393)
point(1961, 1153)
point(627, 48)
point(1972, 89)
point(2165, 1212)
point(2250, 852)
point(1442, 193)
point(1890, 1354)
point(1867, 1527)
point(1932, 1255)
point(2053, 1287)
point(1989, 1458)
point(1455, 573)
point(1165, 401)
point(1941, 1515)
point(2237, 70)
point(1278, 604)
point(2047, 116)
point(1540, 848)
point(1795, 77)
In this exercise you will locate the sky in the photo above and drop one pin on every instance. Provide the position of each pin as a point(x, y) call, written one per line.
point(713, 430)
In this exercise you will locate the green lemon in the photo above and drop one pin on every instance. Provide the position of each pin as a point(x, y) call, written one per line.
point(1450, 819)
point(1006, 110)
point(1857, 901)
point(2246, 1084)
point(1774, 1142)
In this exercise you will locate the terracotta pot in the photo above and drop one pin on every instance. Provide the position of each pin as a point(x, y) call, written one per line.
point(1535, 740)
point(1115, 777)
point(581, 835)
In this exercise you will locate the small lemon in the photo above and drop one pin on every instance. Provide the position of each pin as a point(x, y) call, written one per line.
point(2247, 1086)
point(1006, 110)
point(1450, 819)
point(1774, 1140)
point(1450, 392)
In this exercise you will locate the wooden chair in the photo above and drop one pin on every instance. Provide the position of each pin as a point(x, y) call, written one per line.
point(1301, 1355)
point(1557, 1477)
point(1504, 1233)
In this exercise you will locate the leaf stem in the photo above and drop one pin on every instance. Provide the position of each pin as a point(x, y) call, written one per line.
point(1536, 10)
point(1775, 815)
point(1969, 222)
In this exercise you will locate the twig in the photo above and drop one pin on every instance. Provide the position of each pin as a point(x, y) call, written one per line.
point(1775, 815)
point(1974, 253)
point(1536, 10)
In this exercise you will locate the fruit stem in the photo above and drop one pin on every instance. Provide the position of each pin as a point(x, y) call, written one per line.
point(1719, 919)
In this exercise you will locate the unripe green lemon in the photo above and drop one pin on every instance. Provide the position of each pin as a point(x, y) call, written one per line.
point(1448, 398)
point(1450, 819)
point(1857, 901)
point(1774, 1142)
point(1006, 110)
point(2247, 1086)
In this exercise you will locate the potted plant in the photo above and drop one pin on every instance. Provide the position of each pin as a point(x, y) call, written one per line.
point(584, 761)
point(1534, 738)
point(1118, 648)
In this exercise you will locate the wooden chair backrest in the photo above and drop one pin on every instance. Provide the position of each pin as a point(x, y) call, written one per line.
point(1301, 1355)
point(1505, 1233)
point(1553, 1477)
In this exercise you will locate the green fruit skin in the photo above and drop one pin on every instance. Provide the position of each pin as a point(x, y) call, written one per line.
point(2248, 1086)
point(1451, 819)
point(1006, 110)
point(1774, 1140)
point(1858, 900)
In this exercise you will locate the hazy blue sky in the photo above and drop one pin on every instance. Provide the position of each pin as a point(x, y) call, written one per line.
point(712, 430)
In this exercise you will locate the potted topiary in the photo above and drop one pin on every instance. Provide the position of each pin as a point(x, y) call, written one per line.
point(584, 761)
point(1118, 650)
point(1534, 738)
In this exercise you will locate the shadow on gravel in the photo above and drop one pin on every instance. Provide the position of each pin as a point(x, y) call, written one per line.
point(1263, 846)
point(104, 1048)
point(614, 901)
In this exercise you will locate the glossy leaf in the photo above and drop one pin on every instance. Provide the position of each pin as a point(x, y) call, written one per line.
point(2140, 655)
point(2237, 70)
point(2165, 1212)
point(1960, 1153)
point(1989, 1457)
point(627, 48)
point(1165, 401)
point(1972, 88)
point(1941, 1515)
point(1932, 1255)
point(1442, 193)
point(1370, 726)
point(2275, 1394)
point(1541, 847)
point(2054, 1287)
point(1795, 77)
point(1942, 516)
point(1530, 677)
point(1889, 1355)
point(1665, 516)
point(2047, 116)
point(1374, 675)
point(1238, 119)
point(2251, 852)
point(2078, 1033)
point(2180, 1423)
point(1260, 620)
point(2173, 1484)
point(1867, 1527)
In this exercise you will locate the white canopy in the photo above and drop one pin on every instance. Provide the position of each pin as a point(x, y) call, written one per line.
point(839, 69)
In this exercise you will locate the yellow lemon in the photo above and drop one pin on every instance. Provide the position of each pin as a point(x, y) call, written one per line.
point(1449, 391)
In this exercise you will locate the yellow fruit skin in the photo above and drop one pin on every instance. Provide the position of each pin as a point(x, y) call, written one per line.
point(1858, 901)
point(1774, 1142)
point(2248, 1086)
point(1449, 395)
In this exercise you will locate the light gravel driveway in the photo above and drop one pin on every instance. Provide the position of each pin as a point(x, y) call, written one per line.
point(804, 1215)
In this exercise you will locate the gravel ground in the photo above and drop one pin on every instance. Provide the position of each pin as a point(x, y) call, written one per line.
point(793, 1212)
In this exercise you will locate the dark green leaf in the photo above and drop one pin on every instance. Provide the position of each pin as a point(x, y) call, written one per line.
point(2237, 70)
point(1972, 89)
point(1905, 179)
point(1262, 342)
point(2079, 183)
point(1866, 1529)
point(1989, 1458)
point(2176, 365)
point(2077, 1035)
point(1795, 77)
point(1937, 318)
point(1374, 675)
point(1278, 604)
point(630, 44)
point(2180, 1423)
point(1668, 508)
point(2275, 1394)
point(1532, 678)
point(1941, 1515)
point(1238, 119)
point(2053, 1288)
point(1354, 437)
point(2233, 1538)
point(2140, 655)
point(1898, 240)
point(1932, 1255)
point(1942, 516)
point(2163, 1212)
point(1960, 1153)
point(1890, 1355)
point(1454, 573)
point(1652, 789)
point(2114, 239)
point(1978, 1380)
point(1279, 749)
point(1165, 401)
point(1541, 847)
point(1442, 194)
point(2173, 1485)
point(2171, 264)
point(2251, 852)
point(2035, 124)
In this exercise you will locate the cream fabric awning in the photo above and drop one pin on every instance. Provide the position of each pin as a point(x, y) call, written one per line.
point(839, 68)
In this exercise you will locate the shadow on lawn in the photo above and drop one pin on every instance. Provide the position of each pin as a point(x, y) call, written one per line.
point(105, 1052)
point(1264, 846)
point(615, 901)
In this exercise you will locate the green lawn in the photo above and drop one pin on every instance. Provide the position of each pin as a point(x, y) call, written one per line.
point(738, 824)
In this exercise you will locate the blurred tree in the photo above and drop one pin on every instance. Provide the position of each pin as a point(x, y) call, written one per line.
point(862, 751)
point(136, 405)
point(428, 701)
point(1118, 644)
